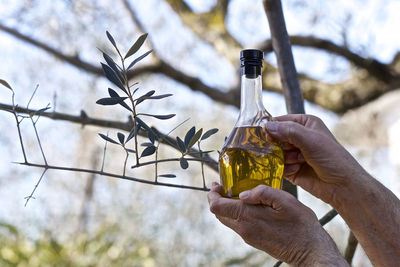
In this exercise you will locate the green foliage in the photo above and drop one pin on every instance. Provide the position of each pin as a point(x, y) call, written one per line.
point(104, 247)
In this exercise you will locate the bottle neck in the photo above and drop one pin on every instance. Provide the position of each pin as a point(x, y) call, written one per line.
point(251, 106)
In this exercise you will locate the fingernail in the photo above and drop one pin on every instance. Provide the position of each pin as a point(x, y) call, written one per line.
point(244, 195)
point(272, 127)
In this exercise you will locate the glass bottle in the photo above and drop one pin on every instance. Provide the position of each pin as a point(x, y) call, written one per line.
point(247, 158)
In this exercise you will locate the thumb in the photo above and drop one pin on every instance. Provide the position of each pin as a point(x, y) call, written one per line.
point(265, 195)
point(291, 132)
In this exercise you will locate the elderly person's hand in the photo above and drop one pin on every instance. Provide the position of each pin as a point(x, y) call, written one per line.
point(274, 221)
point(314, 159)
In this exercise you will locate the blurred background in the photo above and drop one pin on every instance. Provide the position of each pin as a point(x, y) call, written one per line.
point(345, 51)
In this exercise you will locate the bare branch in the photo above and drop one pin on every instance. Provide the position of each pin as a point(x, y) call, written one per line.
point(328, 217)
point(351, 247)
point(36, 185)
point(335, 97)
point(373, 66)
point(112, 175)
point(162, 67)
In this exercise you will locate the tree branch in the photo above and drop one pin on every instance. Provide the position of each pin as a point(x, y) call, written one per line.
point(375, 68)
point(351, 247)
point(162, 67)
point(84, 119)
point(287, 70)
point(112, 175)
point(340, 97)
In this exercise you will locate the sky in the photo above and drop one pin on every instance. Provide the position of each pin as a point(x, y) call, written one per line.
point(370, 33)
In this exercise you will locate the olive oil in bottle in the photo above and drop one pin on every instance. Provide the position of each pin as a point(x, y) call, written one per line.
point(248, 159)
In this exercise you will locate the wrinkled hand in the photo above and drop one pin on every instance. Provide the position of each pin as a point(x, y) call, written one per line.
point(314, 159)
point(274, 221)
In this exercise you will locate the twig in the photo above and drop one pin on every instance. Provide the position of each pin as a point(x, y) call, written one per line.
point(33, 94)
point(104, 155)
point(156, 165)
point(38, 139)
point(202, 165)
point(13, 108)
point(328, 217)
point(112, 175)
point(351, 247)
point(37, 184)
point(126, 160)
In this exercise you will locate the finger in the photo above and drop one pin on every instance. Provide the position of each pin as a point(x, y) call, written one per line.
point(265, 195)
point(294, 156)
point(293, 133)
point(291, 169)
point(216, 187)
point(285, 145)
point(299, 118)
point(224, 206)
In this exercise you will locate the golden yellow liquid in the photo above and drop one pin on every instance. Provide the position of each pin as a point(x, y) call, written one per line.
point(248, 159)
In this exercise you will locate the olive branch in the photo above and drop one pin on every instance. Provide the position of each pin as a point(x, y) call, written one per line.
point(130, 100)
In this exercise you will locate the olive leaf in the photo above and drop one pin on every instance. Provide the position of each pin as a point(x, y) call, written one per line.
point(132, 133)
point(189, 135)
point(160, 117)
point(139, 58)
point(110, 100)
point(112, 77)
point(167, 175)
point(151, 136)
point(105, 137)
point(209, 133)
point(150, 150)
point(181, 144)
point(184, 163)
point(136, 46)
point(112, 93)
point(163, 117)
point(142, 124)
point(121, 137)
point(109, 36)
point(144, 97)
point(146, 144)
point(3, 82)
point(195, 138)
point(130, 150)
point(113, 66)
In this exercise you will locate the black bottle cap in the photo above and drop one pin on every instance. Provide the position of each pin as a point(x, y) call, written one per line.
point(251, 61)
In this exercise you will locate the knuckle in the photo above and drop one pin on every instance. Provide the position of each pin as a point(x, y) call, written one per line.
point(259, 191)
point(214, 207)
